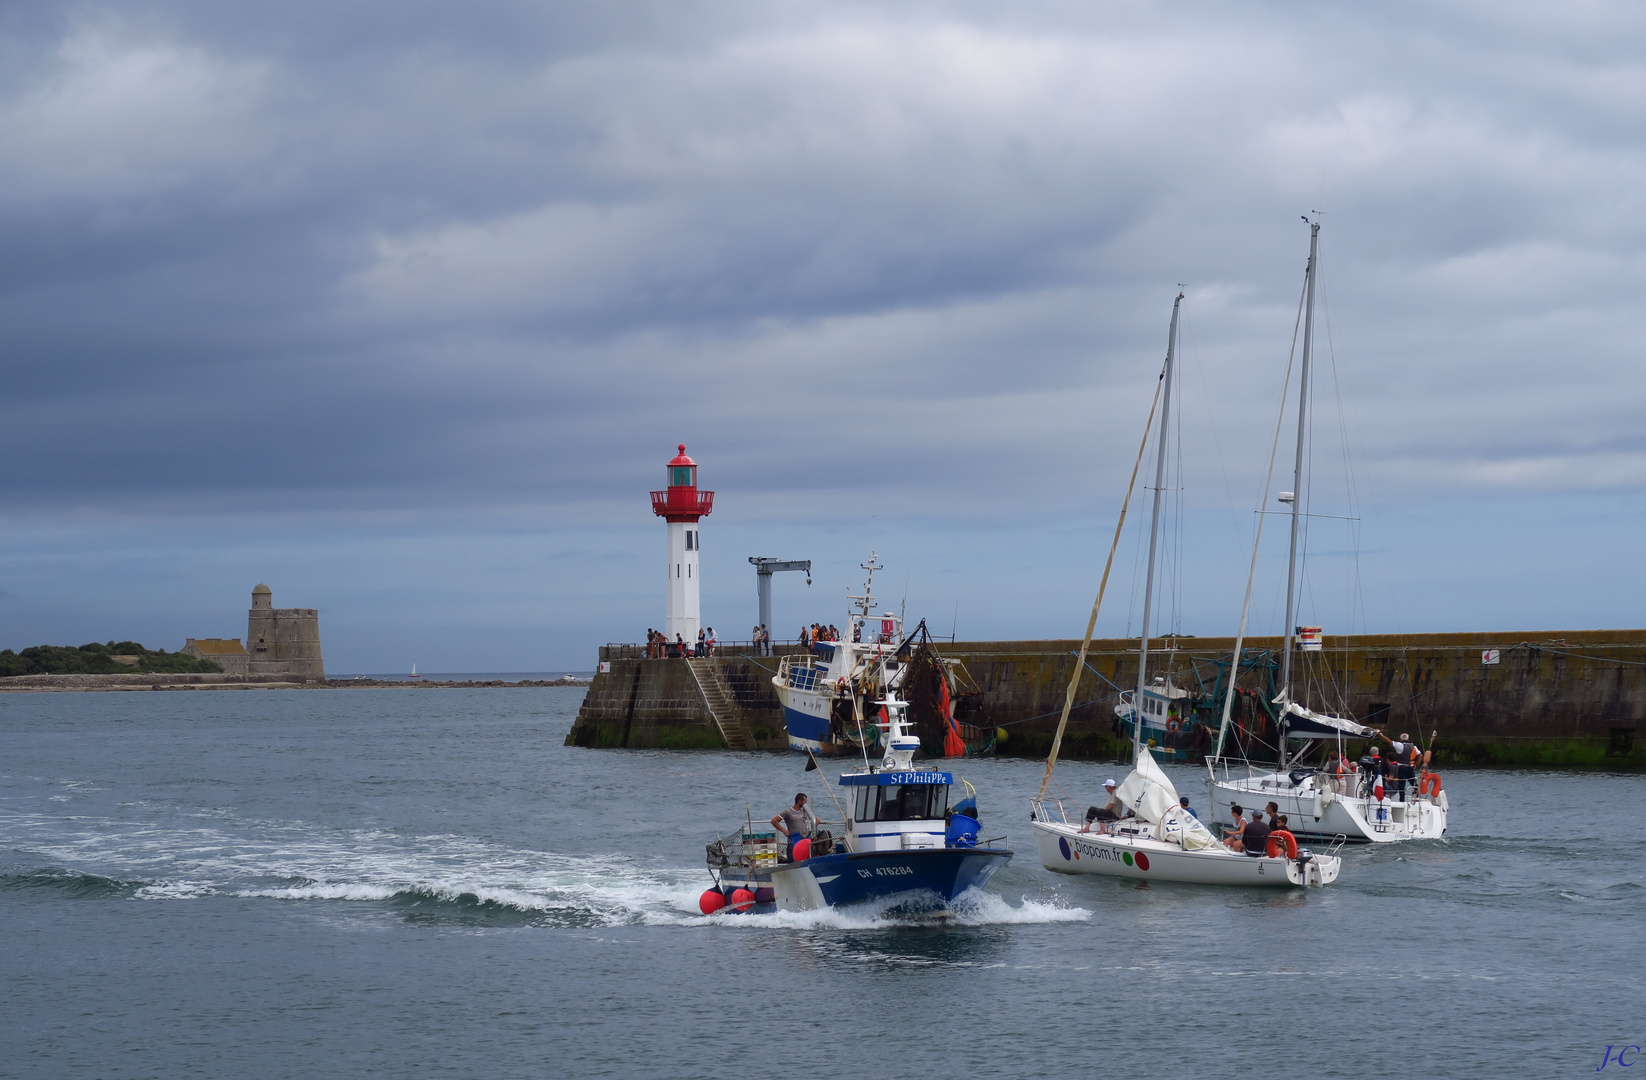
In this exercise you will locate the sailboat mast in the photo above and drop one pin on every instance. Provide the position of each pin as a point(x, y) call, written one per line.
point(1154, 530)
point(1297, 475)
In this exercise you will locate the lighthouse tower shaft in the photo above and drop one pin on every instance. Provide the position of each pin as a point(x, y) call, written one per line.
point(682, 612)
point(682, 505)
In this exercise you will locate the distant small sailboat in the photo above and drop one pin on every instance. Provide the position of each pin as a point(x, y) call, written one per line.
point(414, 673)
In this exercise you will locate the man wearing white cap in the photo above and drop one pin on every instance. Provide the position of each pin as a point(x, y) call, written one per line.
point(1113, 810)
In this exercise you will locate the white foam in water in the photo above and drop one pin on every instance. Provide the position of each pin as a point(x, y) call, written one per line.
point(290, 861)
point(971, 908)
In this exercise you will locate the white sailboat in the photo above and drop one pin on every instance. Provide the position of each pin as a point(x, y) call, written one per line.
point(414, 675)
point(1157, 838)
point(1317, 803)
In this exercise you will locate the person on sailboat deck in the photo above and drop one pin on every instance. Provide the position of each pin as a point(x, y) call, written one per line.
point(1273, 810)
point(1254, 838)
point(1373, 768)
point(1113, 810)
point(1403, 752)
point(796, 822)
point(1232, 841)
point(1183, 801)
point(1339, 769)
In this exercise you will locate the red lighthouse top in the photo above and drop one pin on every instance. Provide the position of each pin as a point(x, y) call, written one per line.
point(682, 501)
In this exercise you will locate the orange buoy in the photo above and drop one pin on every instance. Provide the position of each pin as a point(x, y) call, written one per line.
point(802, 850)
point(1278, 837)
point(1424, 787)
point(711, 901)
point(742, 900)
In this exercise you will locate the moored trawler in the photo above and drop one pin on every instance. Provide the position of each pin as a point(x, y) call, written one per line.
point(828, 693)
point(902, 844)
point(1166, 709)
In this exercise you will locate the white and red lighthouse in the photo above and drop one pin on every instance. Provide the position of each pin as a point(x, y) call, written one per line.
point(681, 506)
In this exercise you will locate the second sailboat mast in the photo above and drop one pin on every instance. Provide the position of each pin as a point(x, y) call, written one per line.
point(1297, 470)
point(1154, 530)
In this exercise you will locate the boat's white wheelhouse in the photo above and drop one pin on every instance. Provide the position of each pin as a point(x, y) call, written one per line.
point(894, 811)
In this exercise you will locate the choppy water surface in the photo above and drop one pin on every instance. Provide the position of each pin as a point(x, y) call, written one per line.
point(425, 882)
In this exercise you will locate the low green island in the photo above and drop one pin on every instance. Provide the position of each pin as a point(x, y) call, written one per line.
point(114, 658)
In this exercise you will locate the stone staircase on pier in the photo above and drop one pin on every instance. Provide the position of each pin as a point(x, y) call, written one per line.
point(717, 695)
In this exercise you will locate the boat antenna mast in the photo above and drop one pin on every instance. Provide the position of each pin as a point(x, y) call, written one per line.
point(1297, 485)
point(1154, 530)
point(866, 602)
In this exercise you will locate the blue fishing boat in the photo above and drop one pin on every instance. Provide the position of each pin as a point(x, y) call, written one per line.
point(902, 846)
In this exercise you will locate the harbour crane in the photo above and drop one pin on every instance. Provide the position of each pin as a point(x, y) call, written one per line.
point(764, 568)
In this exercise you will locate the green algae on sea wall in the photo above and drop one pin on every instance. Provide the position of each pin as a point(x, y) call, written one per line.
point(1531, 753)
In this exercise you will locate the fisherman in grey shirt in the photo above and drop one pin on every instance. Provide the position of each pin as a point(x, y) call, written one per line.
point(796, 822)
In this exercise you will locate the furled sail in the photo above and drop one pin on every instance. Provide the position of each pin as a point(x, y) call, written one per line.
point(1301, 722)
point(1148, 793)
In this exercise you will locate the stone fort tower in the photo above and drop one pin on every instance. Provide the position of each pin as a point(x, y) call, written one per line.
point(282, 641)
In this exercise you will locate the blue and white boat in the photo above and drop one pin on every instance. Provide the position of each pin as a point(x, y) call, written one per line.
point(828, 694)
point(903, 846)
point(1167, 708)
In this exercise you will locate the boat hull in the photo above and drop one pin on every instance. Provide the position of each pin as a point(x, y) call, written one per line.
point(1318, 813)
point(1065, 849)
point(806, 717)
point(917, 879)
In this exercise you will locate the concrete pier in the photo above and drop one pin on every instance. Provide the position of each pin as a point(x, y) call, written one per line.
point(1564, 698)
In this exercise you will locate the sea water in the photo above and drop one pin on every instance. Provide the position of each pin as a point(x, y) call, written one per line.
point(423, 882)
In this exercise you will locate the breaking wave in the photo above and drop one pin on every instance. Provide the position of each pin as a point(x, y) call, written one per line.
point(442, 879)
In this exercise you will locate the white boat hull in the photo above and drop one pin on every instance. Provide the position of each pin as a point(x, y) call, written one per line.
point(1314, 811)
point(1066, 850)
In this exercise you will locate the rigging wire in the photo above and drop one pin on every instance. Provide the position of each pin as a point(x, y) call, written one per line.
point(1257, 537)
point(1217, 443)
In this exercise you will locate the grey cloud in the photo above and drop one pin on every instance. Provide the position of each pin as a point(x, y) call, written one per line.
point(320, 252)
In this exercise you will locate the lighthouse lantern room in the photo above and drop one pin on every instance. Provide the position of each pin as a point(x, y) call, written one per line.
point(681, 506)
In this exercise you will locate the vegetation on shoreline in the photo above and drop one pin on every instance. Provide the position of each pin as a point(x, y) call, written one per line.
point(96, 659)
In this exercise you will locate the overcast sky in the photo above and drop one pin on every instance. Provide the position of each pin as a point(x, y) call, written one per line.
point(401, 308)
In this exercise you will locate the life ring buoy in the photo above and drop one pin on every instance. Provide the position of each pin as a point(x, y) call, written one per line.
point(840, 685)
point(1424, 787)
point(1275, 840)
point(1173, 724)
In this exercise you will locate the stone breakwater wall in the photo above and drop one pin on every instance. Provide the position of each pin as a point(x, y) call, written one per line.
point(59, 683)
point(1564, 698)
point(659, 704)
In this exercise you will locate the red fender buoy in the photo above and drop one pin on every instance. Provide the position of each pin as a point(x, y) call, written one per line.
point(1278, 837)
point(742, 900)
point(802, 850)
point(711, 901)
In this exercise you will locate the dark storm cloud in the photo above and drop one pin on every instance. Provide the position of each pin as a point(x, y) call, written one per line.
point(508, 252)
